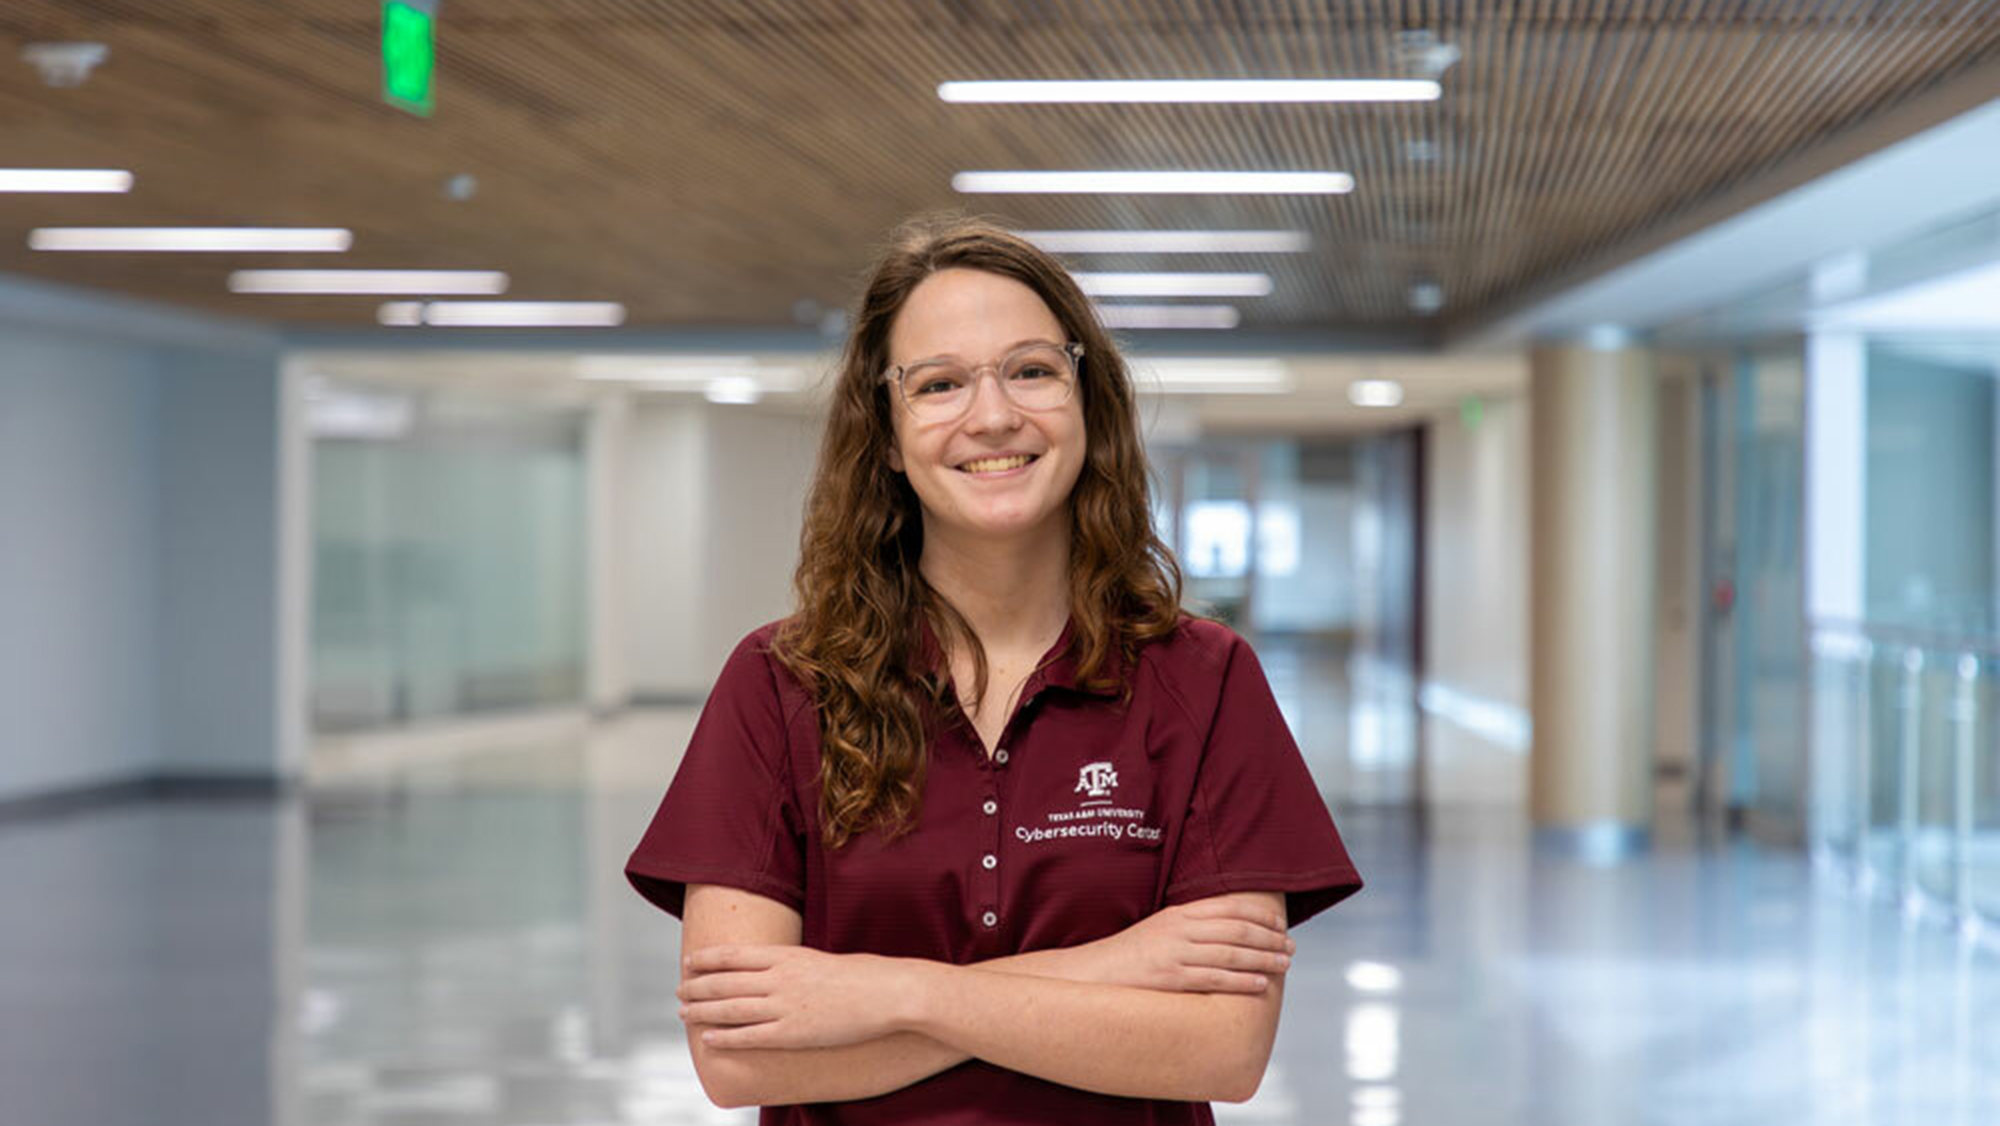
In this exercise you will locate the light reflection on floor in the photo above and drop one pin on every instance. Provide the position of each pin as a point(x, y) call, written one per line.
point(453, 943)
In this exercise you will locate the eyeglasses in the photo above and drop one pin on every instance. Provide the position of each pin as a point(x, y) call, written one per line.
point(1034, 377)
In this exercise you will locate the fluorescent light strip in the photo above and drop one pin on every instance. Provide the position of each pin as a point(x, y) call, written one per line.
point(1157, 183)
point(1375, 393)
point(733, 389)
point(1169, 316)
point(503, 314)
point(217, 239)
point(1212, 375)
point(65, 180)
point(369, 281)
point(1174, 285)
point(693, 370)
point(1194, 90)
point(1170, 242)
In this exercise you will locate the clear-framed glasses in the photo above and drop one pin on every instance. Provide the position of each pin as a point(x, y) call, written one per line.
point(1035, 377)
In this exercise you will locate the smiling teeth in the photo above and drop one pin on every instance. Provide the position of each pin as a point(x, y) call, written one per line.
point(996, 464)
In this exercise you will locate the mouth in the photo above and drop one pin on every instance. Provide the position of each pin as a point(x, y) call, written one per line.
point(993, 466)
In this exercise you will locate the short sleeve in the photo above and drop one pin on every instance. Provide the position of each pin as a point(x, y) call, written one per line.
point(1256, 821)
point(730, 816)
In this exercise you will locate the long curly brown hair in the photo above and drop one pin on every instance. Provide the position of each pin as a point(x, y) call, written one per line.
point(855, 639)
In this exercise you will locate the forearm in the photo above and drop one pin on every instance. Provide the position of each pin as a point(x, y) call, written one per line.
point(781, 1077)
point(1113, 1039)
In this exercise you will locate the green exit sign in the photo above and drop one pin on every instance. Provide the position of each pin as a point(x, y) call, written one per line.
point(409, 54)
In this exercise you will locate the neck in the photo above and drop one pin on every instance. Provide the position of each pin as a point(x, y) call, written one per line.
point(1014, 593)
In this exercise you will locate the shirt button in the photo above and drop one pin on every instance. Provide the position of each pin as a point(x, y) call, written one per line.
point(991, 806)
point(989, 918)
point(990, 860)
point(1000, 756)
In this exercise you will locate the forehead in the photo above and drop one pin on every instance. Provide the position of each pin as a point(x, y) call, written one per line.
point(969, 313)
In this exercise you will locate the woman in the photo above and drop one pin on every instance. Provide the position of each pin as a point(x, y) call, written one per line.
point(988, 830)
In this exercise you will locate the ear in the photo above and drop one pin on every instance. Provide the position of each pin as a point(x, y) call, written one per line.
point(895, 459)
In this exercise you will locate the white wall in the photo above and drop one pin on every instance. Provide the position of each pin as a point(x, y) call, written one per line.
point(1476, 606)
point(713, 497)
point(663, 498)
point(138, 540)
point(758, 469)
point(79, 530)
point(218, 563)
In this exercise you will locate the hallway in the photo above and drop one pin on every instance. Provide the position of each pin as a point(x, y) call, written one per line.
point(451, 941)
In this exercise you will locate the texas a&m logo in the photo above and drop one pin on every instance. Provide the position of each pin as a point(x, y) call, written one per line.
point(1096, 780)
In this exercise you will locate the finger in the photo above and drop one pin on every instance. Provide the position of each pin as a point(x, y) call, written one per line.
point(1255, 913)
point(735, 1011)
point(1239, 958)
point(1226, 981)
point(722, 986)
point(748, 1036)
point(1239, 933)
point(711, 959)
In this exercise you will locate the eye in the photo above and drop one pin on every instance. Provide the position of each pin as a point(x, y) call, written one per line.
point(1035, 371)
point(927, 382)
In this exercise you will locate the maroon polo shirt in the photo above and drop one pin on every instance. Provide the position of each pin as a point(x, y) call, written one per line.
point(1089, 816)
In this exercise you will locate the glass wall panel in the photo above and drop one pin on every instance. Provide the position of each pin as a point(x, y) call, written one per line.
point(449, 558)
point(1905, 698)
point(1765, 705)
point(1308, 546)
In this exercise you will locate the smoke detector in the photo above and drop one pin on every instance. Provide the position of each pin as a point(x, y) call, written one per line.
point(64, 65)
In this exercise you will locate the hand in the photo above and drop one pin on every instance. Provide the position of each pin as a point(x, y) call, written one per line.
point(1219, 945)
point(789, 996)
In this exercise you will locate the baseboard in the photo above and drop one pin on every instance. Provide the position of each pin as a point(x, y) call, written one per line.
point(667, 699)
point(175, 786)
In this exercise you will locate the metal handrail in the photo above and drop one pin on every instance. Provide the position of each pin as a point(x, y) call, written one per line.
point(1911, 637)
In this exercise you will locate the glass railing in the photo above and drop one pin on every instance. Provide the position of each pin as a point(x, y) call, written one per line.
point(1906, 767)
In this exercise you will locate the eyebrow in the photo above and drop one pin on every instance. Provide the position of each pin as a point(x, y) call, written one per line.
point(1004, 352)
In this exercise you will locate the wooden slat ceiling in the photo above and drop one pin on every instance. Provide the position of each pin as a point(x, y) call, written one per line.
point(714, 162)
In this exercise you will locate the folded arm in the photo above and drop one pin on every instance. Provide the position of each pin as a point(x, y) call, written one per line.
point(1113, 1039)
point(1192, 1045)
point(779, 1077)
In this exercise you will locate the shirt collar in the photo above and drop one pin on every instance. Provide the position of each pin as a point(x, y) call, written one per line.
point(1057, 668)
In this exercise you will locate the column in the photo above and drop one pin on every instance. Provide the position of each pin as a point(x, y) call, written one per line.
point(1593, 499)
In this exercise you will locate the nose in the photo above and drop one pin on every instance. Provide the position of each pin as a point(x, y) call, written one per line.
point(991, 408)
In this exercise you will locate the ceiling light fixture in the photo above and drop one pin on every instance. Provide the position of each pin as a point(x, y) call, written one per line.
point(503, 314)
point(692, 369)
point(1170, 242)
point(1156, 183)
point(368, 281)
point(192, 239)
point(1169, 316)
point(1173, 284)
point(65, 180)
point(1193, 91)
point(1212, 375)
point(735, 389)
point(1375, 393)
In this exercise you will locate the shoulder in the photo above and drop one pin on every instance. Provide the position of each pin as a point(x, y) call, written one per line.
point(1198, 648)
point(754, 666)
point(1191, 664)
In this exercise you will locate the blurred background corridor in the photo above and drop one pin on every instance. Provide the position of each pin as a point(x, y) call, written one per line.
point(1588, 413)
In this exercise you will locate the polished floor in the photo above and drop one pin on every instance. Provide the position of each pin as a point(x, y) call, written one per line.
point(448, 940)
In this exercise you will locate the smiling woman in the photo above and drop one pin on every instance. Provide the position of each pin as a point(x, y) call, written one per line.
point(987, 830)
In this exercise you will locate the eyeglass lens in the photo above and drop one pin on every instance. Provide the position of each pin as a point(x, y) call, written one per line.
point(1035, 378)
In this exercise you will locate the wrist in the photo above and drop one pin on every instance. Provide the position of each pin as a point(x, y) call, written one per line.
point(1100, 962)
point(916, 1001)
